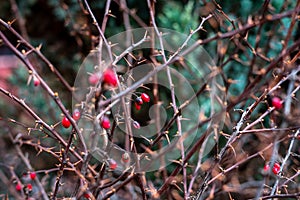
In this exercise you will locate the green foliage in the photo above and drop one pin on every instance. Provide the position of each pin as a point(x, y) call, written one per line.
point(177, 17)
point(25, 7)
point(241, 80)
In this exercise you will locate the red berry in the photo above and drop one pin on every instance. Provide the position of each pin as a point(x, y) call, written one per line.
point(105, 123)
point(125, 158)
point(137, 106)
point(29, 186)
point(36, 81)
point(110, 78)
point(112, 164)
point(87, 195)
point(32, 175)
point(266, 167)
point(276, 103)
point(276, 168)
point(19, 187)
point(65, 122)
point(136, 125)
point(145, 97)
point(139, 100)
point(94, 79)
point(76, 114)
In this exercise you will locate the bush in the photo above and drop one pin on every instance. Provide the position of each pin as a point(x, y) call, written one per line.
point(149, 100)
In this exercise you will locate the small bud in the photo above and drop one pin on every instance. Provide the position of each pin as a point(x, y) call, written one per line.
point(139, 101)
point(266, 167)
point(94, 79)
point(136, 125)
point(36, 81)
point(76, 114)
point(112, 164)
point(125, 157)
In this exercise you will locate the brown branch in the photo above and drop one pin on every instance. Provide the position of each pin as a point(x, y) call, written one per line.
point(53, 134)
point(38, 52)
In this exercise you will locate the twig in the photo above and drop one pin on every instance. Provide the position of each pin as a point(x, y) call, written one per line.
point(28, 165)
point(285, 160)
point(44, 124)
point(99, 29)
point(175, 109)
point(54, 95)
point(38, 52)
point(174, 57)
point(64, 158)
point(282, 196)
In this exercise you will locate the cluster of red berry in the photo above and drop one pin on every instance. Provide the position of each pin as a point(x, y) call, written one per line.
point(109, 77)
point(140, 100)
point(138, 103)
point(105, 123)
point(66, 122)
point(19, 185)
point(275, 169)
point(113, 164)
point(277, 104)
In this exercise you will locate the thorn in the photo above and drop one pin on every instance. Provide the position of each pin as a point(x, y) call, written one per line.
point(128, 63)
point(167, 137)
point(111, 15)
point(132, 56)
point(38, 48)
point(11, 22)
point(179, 162)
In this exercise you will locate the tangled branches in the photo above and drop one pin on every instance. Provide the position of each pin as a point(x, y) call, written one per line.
point(151, 114)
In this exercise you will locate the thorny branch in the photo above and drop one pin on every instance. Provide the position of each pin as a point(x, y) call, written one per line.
point(276, 133)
